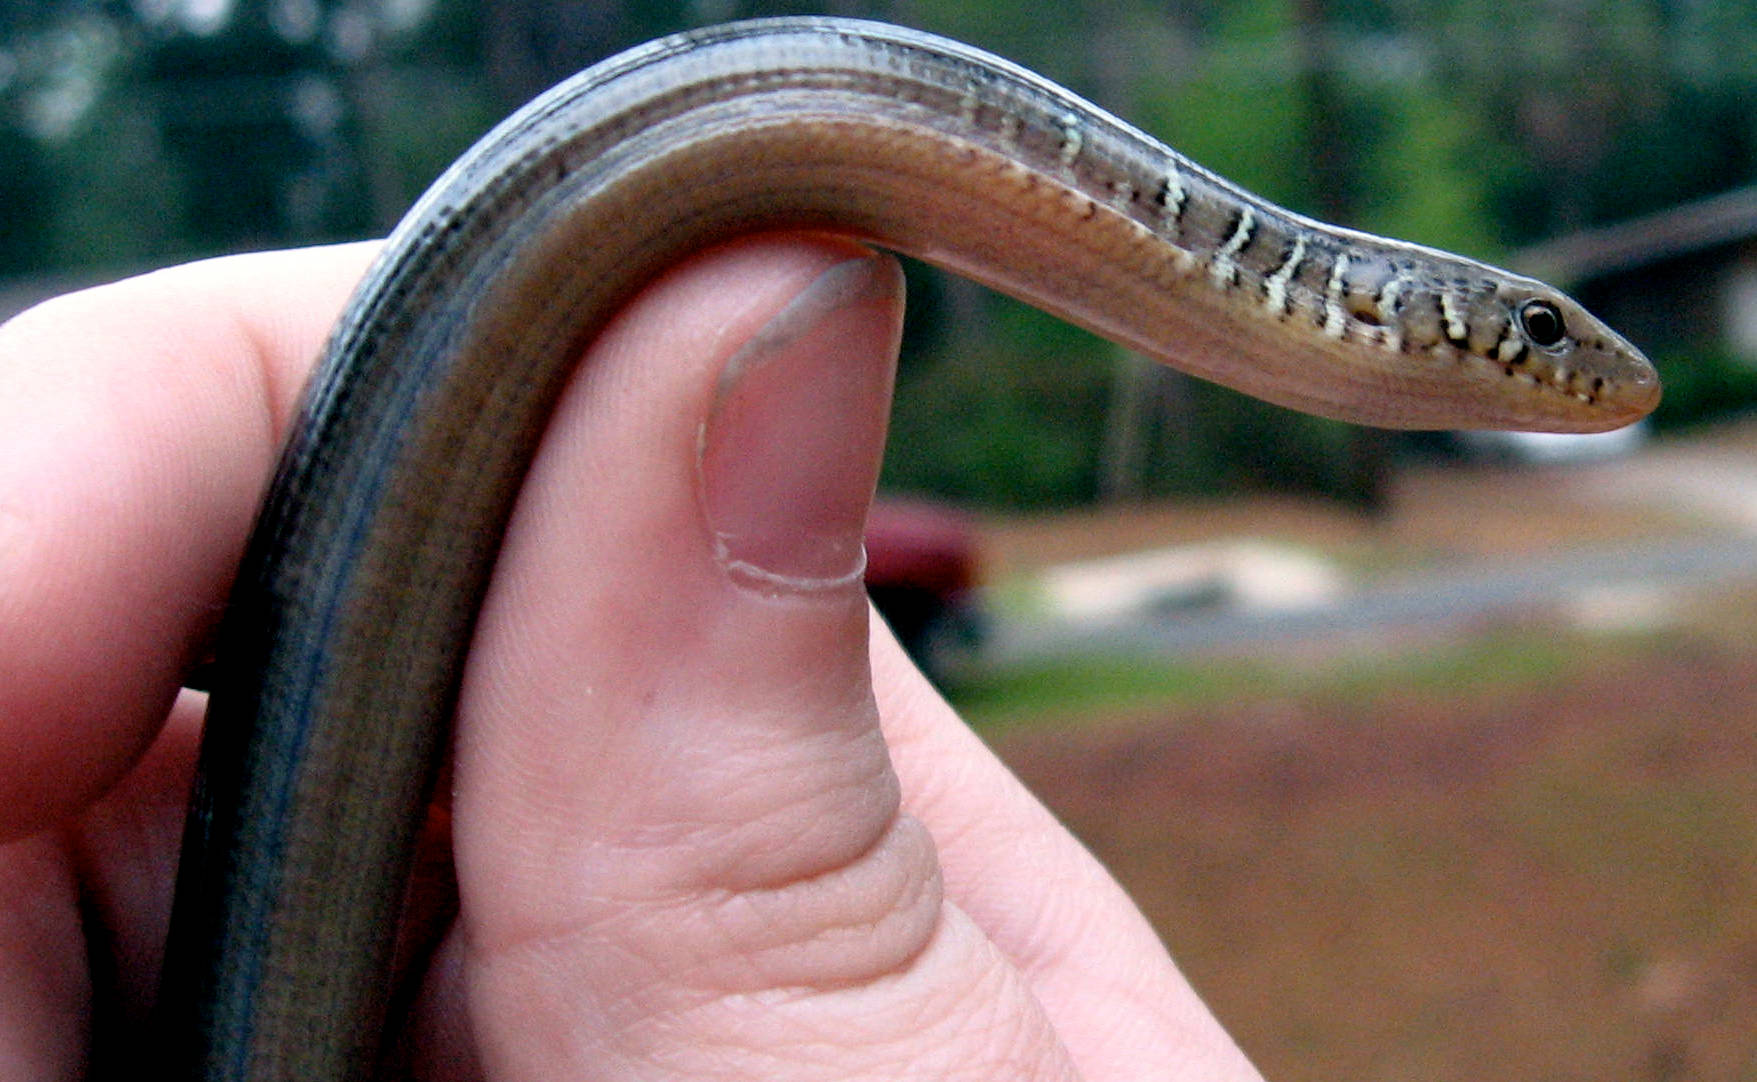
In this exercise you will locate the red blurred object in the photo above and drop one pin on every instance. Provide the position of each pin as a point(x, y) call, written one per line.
point(922, 545)
point(922, 568)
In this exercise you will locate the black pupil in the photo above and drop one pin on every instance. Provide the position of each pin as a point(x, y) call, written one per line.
point(1543, 324)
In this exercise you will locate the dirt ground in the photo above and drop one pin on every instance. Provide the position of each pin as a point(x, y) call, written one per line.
point(1549, 882)
point(1549, 876)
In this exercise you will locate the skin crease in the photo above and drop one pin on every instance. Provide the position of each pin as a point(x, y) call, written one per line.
point(701, 824)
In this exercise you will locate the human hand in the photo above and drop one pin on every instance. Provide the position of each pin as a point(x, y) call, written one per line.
point(700, 829)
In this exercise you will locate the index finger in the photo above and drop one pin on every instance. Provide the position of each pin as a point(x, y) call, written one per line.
point(138, 424)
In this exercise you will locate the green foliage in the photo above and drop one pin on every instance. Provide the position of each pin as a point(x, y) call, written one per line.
point(1244, 443)
point(416, 121)
point(1704, 386)
point(1435, 175)
point(1006, 418)
point(110, 168)
point(24, 183)
point(1237, 110)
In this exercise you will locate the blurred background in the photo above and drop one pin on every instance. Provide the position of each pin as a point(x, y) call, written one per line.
point(1431, 755)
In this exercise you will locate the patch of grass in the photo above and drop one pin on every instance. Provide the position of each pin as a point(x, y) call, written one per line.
point(1511, 658)
point(1075, 686)
point(1067, 689)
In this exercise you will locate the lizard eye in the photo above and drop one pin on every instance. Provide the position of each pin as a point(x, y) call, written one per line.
point(1542, 323)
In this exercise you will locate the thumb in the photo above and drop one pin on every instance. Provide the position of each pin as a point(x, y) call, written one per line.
point(680, 849)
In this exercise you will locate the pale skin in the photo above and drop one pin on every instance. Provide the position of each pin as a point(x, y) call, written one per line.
point(707, 820)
